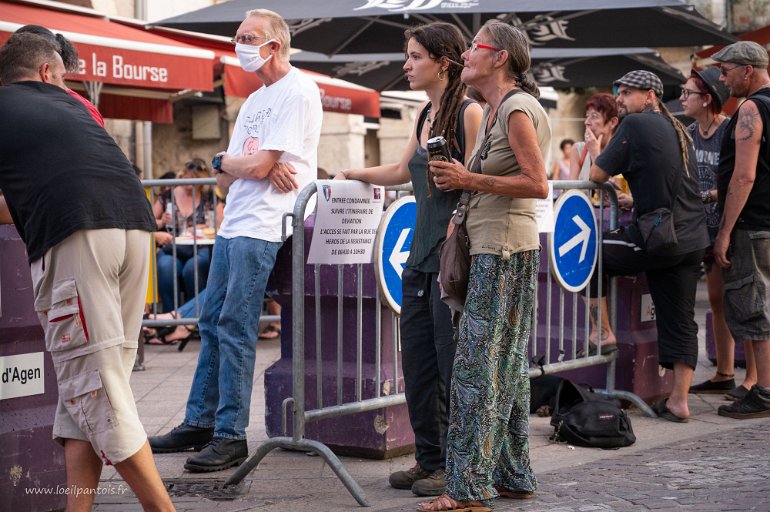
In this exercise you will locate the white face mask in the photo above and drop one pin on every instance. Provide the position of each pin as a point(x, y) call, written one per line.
point(249, 56)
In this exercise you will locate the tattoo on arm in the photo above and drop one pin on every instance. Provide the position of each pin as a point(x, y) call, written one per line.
point(490, 182)
point(747, 124)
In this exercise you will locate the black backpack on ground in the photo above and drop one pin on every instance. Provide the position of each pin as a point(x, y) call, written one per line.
point(583, 418)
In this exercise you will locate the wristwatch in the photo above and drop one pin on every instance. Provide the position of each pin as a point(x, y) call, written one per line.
point(706, 197)
point(216, 163)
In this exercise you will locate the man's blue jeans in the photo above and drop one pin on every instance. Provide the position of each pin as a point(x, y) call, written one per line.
point(229, 323)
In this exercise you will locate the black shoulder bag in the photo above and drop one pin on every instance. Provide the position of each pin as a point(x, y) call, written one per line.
point(656, 228)
point(583, 418)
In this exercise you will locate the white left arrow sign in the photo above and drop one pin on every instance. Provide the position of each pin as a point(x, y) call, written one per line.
point(398, 256)
point(580, 238)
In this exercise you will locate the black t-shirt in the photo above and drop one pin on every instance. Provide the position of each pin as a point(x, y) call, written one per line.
point(756, 211)
point(646, 150)
point(60, 171)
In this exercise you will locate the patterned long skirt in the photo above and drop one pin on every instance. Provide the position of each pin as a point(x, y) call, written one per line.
point(487, 441)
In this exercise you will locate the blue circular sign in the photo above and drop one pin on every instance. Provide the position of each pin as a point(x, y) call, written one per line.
point(572, 247)
point(391, 248)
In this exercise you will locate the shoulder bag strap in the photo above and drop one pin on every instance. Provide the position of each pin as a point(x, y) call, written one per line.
point(421, 121)
point(677, 185)
point(583, 156)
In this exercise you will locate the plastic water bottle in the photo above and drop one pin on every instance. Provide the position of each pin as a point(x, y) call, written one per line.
point(170, 211)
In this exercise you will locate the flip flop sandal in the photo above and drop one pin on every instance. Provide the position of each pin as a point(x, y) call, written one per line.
point(514, 495)
point(271, 332)
point(661, 409)
point(162, 332)
point(446, 503)
point(167, 341)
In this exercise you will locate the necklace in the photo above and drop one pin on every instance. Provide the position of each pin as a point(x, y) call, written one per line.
point(705, 132)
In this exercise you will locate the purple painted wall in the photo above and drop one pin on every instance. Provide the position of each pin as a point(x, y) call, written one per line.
point(29, 458)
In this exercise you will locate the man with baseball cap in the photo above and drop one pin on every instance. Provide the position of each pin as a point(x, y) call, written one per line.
point(654, 153)
point(742, 246)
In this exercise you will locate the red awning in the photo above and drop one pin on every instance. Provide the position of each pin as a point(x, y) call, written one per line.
point(121, 56)
point(761, 36)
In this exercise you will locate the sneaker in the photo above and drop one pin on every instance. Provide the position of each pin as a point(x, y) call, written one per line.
point(434, 485)
point(738, 393)
point(406, 479)
point(711, 387)
point(219, 454)
point(182, 438)
point(756, 404)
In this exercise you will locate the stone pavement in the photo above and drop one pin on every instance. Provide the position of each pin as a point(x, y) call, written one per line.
point(709, 464)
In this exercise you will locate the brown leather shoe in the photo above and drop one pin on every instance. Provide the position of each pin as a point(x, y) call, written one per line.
point(406, 479)
point(434, 485)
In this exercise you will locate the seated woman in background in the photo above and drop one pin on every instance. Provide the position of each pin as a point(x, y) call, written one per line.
point(190, 211)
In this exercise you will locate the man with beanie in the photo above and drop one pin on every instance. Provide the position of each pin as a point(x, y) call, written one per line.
point(654, 153)
point(742, 246)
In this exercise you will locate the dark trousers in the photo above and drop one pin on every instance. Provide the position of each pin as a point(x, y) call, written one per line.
point(427, 354)
point(673, 281)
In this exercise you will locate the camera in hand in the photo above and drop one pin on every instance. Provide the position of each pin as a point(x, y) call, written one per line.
point(438, 149)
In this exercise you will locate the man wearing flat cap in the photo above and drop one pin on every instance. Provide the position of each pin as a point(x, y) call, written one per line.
point(654, 153)
point(742, 246)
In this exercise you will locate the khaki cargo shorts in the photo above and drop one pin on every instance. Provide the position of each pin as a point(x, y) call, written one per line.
point(89, 297)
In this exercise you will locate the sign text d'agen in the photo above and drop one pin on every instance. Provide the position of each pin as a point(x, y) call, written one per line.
point(119, 68)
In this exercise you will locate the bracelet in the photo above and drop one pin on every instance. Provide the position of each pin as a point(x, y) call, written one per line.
point(706, 197)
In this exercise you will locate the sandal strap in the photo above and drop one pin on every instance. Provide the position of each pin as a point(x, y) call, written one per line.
point(447, 503)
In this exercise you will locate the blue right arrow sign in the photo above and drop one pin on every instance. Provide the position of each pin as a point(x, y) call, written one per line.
point(572, 247)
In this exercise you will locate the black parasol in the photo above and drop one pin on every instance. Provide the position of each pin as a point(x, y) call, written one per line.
point(377, 26)
point(562, 68)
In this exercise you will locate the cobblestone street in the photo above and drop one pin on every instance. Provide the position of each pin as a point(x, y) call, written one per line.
point(725, 471)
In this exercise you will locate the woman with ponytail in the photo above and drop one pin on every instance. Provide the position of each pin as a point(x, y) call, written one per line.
point(433, 64)
point(487, 442)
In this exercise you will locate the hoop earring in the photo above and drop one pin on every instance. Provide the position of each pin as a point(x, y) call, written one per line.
point(441, 78)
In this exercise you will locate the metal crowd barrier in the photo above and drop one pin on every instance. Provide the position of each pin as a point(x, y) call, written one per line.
point(300, 416)
point(152, 185)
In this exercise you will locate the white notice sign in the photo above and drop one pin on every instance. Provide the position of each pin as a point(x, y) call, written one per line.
point(22, 375)
point(346, 221)
point(544, 212)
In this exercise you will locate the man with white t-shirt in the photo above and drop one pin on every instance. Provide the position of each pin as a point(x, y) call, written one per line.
point(271, 156)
